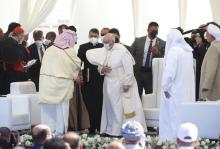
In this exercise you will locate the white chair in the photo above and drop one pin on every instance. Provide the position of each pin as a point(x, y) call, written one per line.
point(15, 112)
point(151, 102)
point(35, 109)
point(28, 88)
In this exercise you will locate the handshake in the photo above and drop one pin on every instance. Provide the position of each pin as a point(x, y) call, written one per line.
point(79, 79)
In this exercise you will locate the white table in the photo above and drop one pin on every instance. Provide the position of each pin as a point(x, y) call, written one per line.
point(206, 115)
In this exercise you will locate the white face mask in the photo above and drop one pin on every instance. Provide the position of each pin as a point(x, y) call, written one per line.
point(106, 46)
point(47, 42)
point(93, 40)
point(75, 39)
point(39, 43)
point(102, 38)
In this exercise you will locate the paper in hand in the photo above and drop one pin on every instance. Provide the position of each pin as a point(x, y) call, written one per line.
point(30, 63)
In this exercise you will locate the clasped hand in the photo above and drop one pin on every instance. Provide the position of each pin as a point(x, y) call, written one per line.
point(106, 69)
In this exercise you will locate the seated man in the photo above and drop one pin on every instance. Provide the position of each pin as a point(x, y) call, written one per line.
point(18, 147)
point(115, 145)
point(187, 136)
point(41, 133)
point(56, 143)
point(5, 134)
point(73, 139)
point(133, 134)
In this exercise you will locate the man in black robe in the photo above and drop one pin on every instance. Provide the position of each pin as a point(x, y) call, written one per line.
point(199, 53)
point(12, 58)
point(3, 36)
point(93, 82)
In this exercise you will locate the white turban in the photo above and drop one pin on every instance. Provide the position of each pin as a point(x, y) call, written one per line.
point(214, 31)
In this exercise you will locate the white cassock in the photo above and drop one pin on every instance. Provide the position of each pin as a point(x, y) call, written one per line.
point(178, 80)
point(59, 69)
point(118, 106)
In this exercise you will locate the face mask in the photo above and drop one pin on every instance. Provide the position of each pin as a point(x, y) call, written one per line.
point(75, 38)
point(106, 46)
point(102, 38)
point(153, 34)
point(47, 42)
point(39, 43)
point(93, 40)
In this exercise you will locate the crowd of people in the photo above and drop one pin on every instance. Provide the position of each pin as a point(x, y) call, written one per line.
point(99, 87)
point(132, 133)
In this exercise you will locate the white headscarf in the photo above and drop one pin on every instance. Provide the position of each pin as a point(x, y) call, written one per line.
point(176, 39)
point(214, 31)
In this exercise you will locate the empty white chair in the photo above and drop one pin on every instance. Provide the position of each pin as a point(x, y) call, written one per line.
point(15, 112)
point(35, 110)
point(151, 102)
point(26, 87)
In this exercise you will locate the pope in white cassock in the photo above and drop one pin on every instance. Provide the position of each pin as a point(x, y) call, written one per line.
point(178, 84)
point(121, 101)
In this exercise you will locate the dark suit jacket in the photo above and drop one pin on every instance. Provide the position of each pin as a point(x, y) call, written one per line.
point(34, 70)
point(137, 50)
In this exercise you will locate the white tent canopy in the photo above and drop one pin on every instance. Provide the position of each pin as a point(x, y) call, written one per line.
point(131, 17)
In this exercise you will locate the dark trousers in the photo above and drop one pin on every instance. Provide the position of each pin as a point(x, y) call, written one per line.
point(144, 81)
point(93, 96)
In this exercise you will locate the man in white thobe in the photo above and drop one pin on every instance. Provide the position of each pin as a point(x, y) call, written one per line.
point(121, 101)
point(60, 67)
point(178, 84)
